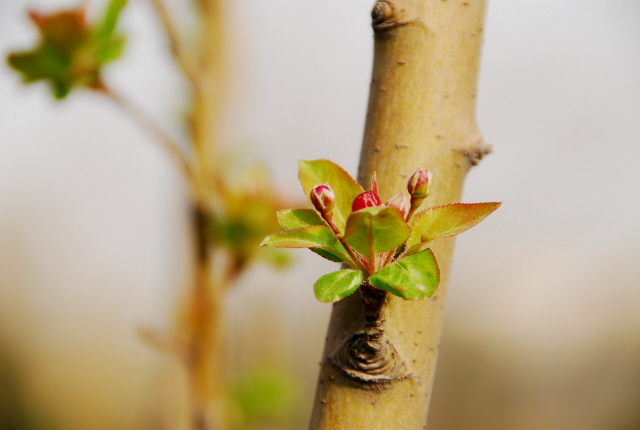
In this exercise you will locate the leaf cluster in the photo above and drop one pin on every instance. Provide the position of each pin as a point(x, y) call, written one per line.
point(71, 51)
point(383, 246)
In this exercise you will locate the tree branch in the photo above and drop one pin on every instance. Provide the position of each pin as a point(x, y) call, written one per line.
point(166, 143)
point(421, 113)
point(174, 42)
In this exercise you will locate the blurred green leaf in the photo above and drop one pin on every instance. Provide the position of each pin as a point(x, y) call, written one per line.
point(346, 189)
point(110, 18)
point(376, 229)
point(266, 395)
point(244, 214)
point(108, 49)
point(71, 52)
point(337, 285)
point(412, 278)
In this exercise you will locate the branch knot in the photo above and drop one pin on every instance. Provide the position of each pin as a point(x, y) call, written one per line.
point(384, 16)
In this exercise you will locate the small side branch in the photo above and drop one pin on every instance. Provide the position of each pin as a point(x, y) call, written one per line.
point(174, 42)
point(167, 144)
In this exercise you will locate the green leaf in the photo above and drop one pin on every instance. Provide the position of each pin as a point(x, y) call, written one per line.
point(307, 237)
point(376, 229)
point(330, 255)
point(337, 285)
point(412, 278)
point(448, 220)
point(317, 172)
point(297, 218)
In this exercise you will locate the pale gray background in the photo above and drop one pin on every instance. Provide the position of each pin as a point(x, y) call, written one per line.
point(92, 241)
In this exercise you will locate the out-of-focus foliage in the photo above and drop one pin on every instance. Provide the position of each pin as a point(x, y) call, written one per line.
point(264, 396)
point(244, 214)
point(71, 52)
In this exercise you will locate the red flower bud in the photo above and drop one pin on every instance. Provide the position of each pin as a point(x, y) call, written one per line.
point(419, 186)
point(366, 200)
point(323, 198)
point(400, 202)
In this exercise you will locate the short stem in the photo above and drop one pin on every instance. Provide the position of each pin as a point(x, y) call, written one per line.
point(373, 302)
point(411, 212)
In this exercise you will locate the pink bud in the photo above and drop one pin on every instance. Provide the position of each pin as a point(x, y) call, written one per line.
point(366, 200)
point(323, 198)
point(400, 202)
point(419, 186)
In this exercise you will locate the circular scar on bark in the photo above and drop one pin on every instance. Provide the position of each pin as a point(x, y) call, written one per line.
point(367, 369)
point(369, 359)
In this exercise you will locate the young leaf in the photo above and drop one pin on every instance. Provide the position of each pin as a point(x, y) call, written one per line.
point(346, 189)
point(71, 52)
point(298, 218)
point(377, 229)
point(330, 255)
point(307, 237)
point(62, 37)
point(337, 285)
point(412, 278)
point(448, 220)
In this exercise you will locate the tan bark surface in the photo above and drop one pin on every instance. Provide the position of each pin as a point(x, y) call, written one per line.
point(421, 113)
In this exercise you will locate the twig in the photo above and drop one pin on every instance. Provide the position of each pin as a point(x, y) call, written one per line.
point(165, 141)
point(174, 44)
